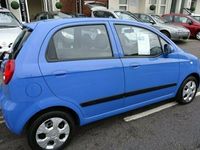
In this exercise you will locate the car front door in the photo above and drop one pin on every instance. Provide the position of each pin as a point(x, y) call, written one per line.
point(82, 67)
point(150, 76)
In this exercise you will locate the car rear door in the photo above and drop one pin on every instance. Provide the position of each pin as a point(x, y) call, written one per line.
point(80, 64)
point(149, 75)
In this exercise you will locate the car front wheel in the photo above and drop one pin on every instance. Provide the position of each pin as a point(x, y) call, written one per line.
point(51, 131)
point(198, 36)
point(187, 91)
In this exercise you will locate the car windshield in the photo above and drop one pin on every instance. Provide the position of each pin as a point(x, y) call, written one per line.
point(159, 20)
point(123, 15)
point(61, 15)
point(196, 18)
point(8, 20)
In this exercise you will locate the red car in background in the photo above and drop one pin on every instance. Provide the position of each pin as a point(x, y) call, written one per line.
point(185, 20)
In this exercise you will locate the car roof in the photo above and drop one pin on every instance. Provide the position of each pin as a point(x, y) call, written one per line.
point(4, 9)
point(181, 15)
point(99, 8)
point(51, 23)
point(195, 14)
point(175, 14)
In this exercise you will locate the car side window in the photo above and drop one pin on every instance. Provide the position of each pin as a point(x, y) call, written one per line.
point(103, 14)
point(146, 18)
point(168, 18)
point(163, 43)
point(137, 41)
point(180, 19)
point(122, 15)
point(79, 42)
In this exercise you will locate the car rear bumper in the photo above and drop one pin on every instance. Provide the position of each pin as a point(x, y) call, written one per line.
point(11, 114)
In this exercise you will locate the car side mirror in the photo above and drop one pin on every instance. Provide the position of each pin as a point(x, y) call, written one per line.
point(152, 22)
point(168, 49)
point(190, 22)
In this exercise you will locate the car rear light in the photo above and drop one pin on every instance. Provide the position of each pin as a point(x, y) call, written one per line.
point(8, 71)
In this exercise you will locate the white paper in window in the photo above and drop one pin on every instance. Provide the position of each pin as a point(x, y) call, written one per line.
point(143, 44)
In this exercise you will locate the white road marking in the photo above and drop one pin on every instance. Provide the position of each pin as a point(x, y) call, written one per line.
point(140, 115)
point(149, 112)
point(152, 111)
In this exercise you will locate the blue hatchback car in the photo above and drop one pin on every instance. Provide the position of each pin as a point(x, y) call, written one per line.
point(67, 73)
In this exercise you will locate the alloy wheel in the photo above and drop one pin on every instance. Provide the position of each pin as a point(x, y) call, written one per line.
point(189, 91)
point(198, 36)
point(52, 133)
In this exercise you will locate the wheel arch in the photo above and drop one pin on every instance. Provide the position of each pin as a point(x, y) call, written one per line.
point(53, 108)
point(196, 75)
point(165, 31)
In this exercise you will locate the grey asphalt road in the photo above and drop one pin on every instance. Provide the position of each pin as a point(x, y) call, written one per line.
point(176, 128)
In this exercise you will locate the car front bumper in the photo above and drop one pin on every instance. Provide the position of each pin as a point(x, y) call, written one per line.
point(180, 36)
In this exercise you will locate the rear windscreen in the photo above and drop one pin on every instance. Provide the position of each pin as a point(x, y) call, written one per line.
point(19, 42)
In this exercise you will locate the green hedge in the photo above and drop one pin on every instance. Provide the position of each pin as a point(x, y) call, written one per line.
point(14, 5)
point(59, 5)
point(152, 7)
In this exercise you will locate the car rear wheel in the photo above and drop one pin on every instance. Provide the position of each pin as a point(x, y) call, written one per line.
point(198, 36)
point(51, 131)
point(187, 91)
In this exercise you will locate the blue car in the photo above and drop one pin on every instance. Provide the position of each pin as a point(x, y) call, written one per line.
point(70, 72)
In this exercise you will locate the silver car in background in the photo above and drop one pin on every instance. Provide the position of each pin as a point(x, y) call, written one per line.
point(103, 12)
point(174, 32)
point(10, 28)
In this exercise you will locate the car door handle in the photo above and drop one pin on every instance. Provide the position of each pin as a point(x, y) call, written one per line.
point(135, 65)
point(59, 73)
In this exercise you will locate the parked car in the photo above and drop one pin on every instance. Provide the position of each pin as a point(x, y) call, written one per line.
point(122, 14)
point(10, 28)
point(54, 82)
point(174, 32)
point(102, 12)
point(78, 15)
point(51, 15)
point(187, 21)
point(196, 16)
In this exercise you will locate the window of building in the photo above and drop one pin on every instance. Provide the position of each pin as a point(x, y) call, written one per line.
point(152, 2)
point(137, 41)
point(163, 2)
point(162, 9)
point(123, 7)
point(122, 1)
point(80, 42)
point(123, 4)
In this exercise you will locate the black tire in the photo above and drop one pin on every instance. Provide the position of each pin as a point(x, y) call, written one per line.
point(179, 97)
point(166, 33)
point(198, 35)
point(31, 134)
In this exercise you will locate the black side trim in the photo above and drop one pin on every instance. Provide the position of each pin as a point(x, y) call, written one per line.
point(133, 93)
point(149, 90)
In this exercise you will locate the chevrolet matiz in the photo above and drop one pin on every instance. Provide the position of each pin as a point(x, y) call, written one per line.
point(66, 73)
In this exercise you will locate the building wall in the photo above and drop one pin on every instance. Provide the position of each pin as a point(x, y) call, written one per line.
point(141, 6)
point(69, 6)
point(197, 11)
